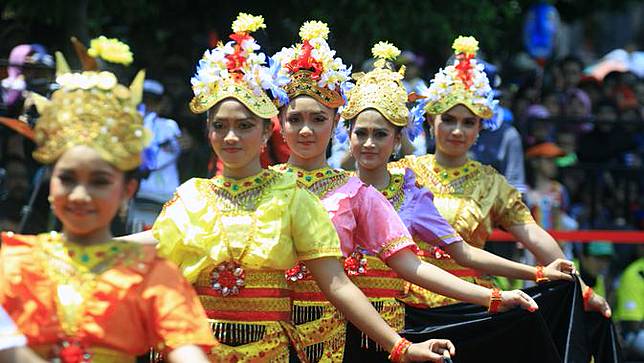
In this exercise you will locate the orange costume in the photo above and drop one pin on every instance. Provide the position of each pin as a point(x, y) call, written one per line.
point(108, 303)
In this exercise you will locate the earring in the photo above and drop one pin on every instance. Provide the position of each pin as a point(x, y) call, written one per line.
point(476, 140)
point(396, 152)
point(431, 132)
point(123, 209)
point(50, 199)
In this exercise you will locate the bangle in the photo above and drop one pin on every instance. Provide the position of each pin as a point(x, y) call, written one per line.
point(587, 295)
point(399, 350)
point(495, 301)
point(539, 276)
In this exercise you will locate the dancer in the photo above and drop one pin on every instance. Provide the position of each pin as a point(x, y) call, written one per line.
point(372, 236)
point(377, 116)
point(233, 236)
point(79, 295)
point(472, 197)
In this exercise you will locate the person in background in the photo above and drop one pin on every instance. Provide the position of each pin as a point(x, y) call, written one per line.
point(161, 177)
point(547, 198)
point(629, 309)
point(501, 147)
point(594, 259)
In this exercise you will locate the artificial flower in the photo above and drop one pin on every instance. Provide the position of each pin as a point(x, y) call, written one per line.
point(247, 23)
point(111, 50)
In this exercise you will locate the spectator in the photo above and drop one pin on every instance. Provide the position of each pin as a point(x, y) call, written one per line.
point(160, 160)
point(629, 309)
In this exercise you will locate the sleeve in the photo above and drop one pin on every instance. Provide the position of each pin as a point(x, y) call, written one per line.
point(10, 337)
point(312, 231)
point(509, 209)
point(428, 224)
point(379, 228)
point(180, 235)
point(177, 317)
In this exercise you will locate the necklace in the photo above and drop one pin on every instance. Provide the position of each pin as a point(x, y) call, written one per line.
point(319, 181)
point(237, 199)
point(394, 191)
point(75, 284)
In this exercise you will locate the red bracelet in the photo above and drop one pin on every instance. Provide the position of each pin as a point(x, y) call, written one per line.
point(587, 295)
point(399, 350)
point(495, 301)
point(539, 276)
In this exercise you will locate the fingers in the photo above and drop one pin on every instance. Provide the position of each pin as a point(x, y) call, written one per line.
point(526, 301)
point(564, 276)
point(606, 310)
point(441, 346)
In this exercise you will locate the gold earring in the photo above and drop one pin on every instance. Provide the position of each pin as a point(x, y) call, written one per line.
point(50, 199)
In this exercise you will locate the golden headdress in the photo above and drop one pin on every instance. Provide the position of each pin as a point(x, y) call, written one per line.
point(236, 70)
point(91, 108)
point(380, 89)
point(311, 69)
point(463, 82)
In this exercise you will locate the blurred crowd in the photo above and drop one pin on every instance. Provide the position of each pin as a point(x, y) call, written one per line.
point(571, 140)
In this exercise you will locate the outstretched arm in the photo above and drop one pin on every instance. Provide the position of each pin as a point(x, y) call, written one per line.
point(547, 250)
point(408, 266)
point(355, 306)
point(482, 260)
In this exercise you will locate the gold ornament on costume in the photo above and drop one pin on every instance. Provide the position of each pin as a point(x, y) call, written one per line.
point(236, 70)
point(92, 109)
point(380, 89)
point(310, 68)
point(463, 82)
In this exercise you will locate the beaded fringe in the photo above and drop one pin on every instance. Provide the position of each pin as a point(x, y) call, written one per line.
point(304, 314)
point(364, 339)
point(236, 334)
point(315, 353)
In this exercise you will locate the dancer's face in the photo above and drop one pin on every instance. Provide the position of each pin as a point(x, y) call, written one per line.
point(307, 127)
point(456, 130)
point(87, 191)
point(373, 139)
point(236, 135)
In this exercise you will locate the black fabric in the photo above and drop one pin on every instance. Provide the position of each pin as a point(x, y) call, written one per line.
point(354, 352)
point(560, 331)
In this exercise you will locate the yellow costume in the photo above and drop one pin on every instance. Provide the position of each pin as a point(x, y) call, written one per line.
point(473, 198)
point(234, 239)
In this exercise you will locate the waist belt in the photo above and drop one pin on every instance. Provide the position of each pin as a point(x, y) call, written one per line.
point(265, 296)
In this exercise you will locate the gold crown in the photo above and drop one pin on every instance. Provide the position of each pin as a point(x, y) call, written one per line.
point(91, 109)
point(458, 95)
point(259, 104)
point(463, 83)
point(233, 71)
point(302, 83)
point(380, 89)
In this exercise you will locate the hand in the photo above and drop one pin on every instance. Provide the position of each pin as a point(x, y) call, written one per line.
point(432, 350)
point(559, 269)
point(517, 298)
point(599, 304)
